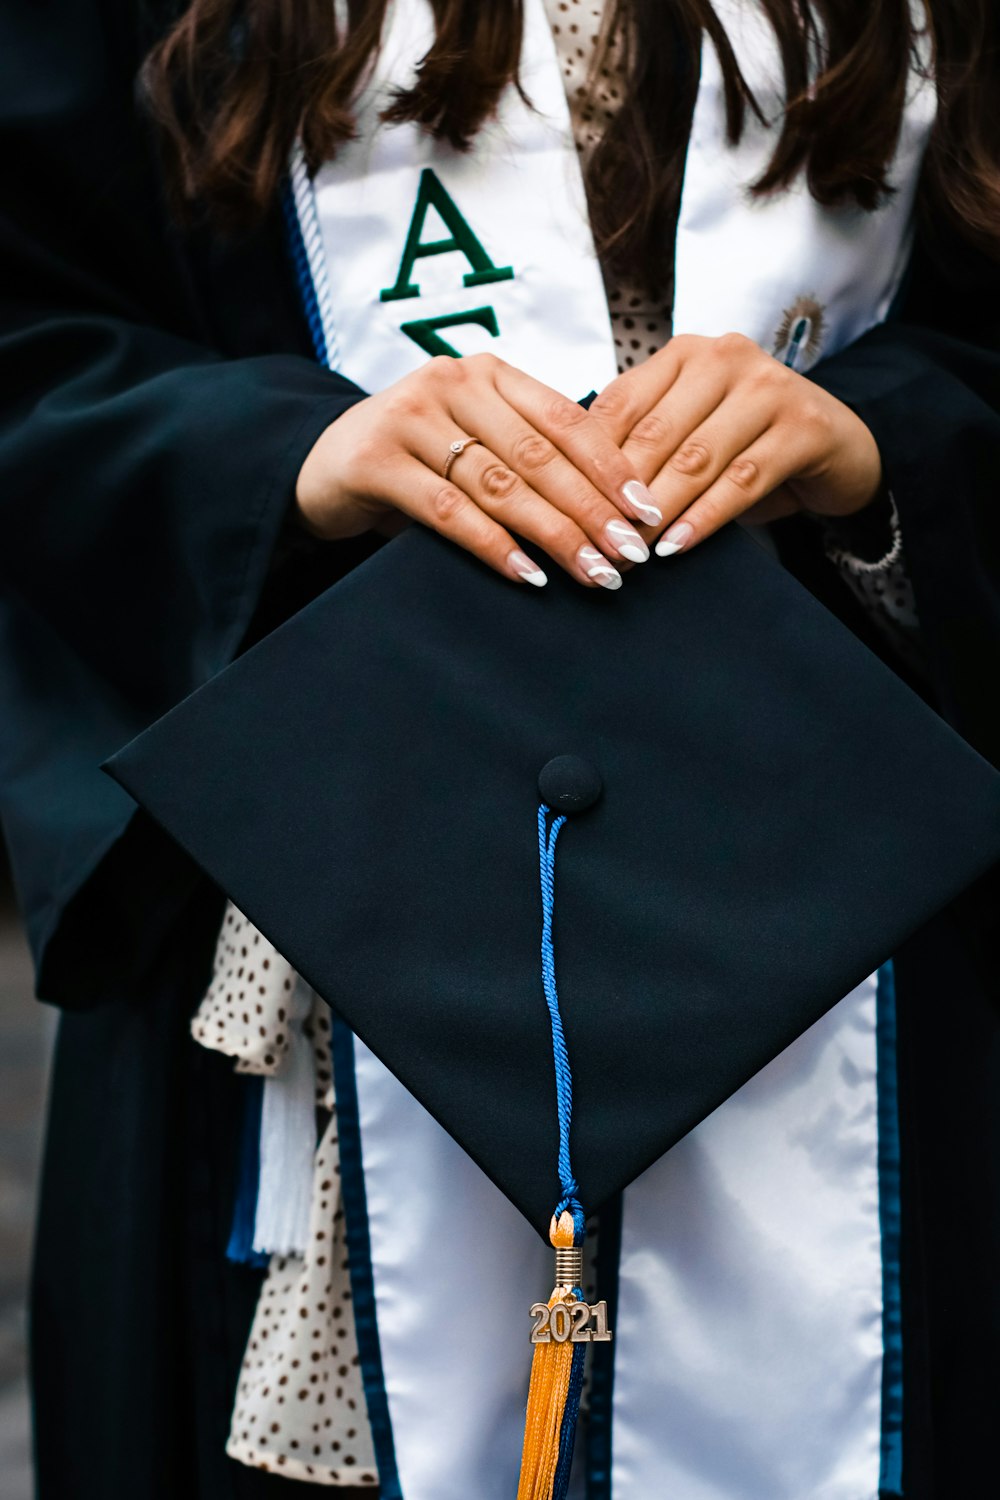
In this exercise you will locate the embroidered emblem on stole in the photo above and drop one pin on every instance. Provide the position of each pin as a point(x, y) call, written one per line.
point(800, 332)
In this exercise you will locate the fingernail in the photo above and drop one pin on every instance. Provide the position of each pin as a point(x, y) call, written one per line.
point(642, 502)
point(521, 564)
point(598, 569)
point(627, 541)
point(673, 540)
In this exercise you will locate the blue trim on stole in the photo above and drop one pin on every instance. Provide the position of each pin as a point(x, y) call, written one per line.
point(352, 1186)
point(891, 1478)
point(303, 275)
point(600, 1423)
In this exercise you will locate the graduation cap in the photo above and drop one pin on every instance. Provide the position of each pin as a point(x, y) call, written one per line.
point(575, 865)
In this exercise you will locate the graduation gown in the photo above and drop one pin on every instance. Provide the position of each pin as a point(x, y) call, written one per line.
point(157, 398)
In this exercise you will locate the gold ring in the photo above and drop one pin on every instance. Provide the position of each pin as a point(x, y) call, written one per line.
point(454, 449)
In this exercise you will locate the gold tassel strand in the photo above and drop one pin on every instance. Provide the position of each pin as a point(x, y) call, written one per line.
point(550, 1376)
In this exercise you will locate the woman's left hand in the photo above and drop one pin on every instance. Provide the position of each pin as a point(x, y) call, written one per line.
point(719, 430)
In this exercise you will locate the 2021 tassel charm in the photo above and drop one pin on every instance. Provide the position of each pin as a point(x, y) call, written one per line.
point(566, 1324)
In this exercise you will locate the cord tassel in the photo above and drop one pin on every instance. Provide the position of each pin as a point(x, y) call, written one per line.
point(557, 1367)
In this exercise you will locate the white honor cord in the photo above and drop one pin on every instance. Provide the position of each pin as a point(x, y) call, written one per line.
point(288, 1141)
point(312, 238)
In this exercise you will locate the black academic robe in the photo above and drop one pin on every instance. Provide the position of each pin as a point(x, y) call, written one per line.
point(157, 398)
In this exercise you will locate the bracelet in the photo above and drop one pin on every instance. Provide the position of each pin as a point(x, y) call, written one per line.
point(883, 564)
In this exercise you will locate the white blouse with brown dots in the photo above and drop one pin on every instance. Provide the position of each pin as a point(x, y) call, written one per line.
point(245, 1010)
point(640, 321)
point(300, 1406)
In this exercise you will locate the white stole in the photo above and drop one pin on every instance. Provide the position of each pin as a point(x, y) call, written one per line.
point(800, 279)
point(539, 304)
point(803, 281)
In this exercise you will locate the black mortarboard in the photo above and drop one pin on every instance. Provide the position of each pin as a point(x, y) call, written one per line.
point(769, 812)
point(777, 812)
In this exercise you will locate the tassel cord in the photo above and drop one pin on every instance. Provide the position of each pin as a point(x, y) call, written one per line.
point(547, 838)
point(557, 1369)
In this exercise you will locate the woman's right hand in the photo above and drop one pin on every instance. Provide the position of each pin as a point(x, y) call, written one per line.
point(542, 469)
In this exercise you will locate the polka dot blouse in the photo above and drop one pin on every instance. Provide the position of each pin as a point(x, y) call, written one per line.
point(300, 1406)
point(593, 73)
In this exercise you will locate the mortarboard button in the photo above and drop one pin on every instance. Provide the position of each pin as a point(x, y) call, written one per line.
point(570, 784)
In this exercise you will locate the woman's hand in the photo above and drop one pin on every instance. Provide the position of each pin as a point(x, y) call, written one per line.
point(542, 468)
point(719, 430)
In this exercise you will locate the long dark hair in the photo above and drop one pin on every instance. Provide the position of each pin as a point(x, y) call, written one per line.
point(233, 82)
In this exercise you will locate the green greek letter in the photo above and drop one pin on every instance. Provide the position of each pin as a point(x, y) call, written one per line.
point(423, 331)
point(433, 194)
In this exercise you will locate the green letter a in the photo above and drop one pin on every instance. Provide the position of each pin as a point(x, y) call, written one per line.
point(433, 194)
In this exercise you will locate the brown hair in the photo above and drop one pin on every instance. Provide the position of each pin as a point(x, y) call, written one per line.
point(233, 82)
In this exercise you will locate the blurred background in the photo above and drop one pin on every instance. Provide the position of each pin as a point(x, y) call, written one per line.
point(26, 1032)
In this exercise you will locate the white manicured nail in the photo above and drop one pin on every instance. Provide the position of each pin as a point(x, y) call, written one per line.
point(626, 541)
point(673, 540)
point(642, 502)
point(598, 569)
point(521, 564)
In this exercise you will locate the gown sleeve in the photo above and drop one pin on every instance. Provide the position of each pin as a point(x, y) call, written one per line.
point(147, 465)
point(927, 384)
